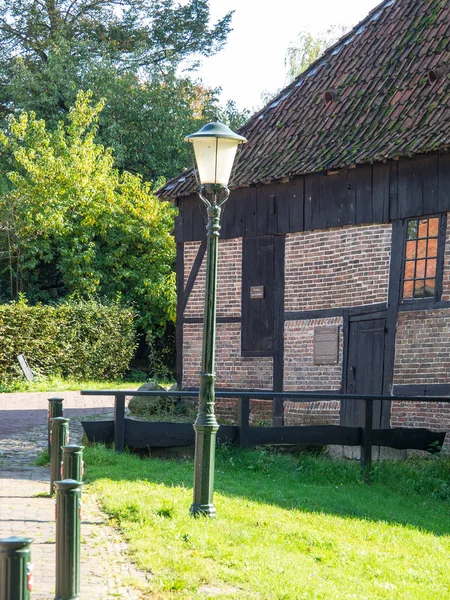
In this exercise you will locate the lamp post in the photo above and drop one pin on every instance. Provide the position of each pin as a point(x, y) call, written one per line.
point(215, 147)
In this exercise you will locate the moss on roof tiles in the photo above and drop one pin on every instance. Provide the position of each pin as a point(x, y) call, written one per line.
point(380, 58)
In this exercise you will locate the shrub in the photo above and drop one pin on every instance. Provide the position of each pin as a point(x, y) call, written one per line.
point(72, 339)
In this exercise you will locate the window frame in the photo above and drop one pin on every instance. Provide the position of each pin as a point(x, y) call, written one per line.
point(426, 301)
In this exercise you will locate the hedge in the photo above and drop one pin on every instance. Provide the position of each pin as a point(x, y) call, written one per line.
point(82, 340)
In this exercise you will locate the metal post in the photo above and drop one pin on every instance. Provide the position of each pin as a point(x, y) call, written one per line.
point(59, 438)
point(72, 462)
point(68, 532)
point(55, 409)
point(206, 425)
point(16, 570)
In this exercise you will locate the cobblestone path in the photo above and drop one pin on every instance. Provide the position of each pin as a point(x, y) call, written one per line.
point(27, 510)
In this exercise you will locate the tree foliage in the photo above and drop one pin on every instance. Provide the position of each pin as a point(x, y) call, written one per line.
point(71, 224)
point(129, 53)
point(308, 47)
point(132, 33)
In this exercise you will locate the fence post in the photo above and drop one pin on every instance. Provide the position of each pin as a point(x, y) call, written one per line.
point(366, 442)
point(55, 409)
point(68, 533)
point(59, 438)
point(72, 462)
point(243, 421)
point(119, 422)
point(16, 570)
point(278, 412)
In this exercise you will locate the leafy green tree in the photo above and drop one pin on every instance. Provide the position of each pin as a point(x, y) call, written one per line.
point(126, 52)
point(144, 34)
point(308, 47)
point(73, 225)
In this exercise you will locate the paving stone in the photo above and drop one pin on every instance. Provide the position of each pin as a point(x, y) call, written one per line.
point(27, 510)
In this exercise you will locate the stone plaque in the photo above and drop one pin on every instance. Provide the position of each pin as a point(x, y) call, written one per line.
point(256, 292)
point(326, 345)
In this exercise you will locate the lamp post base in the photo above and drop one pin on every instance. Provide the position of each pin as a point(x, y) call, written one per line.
point(202, 510)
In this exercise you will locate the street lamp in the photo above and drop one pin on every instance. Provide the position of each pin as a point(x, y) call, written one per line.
point(215, 147)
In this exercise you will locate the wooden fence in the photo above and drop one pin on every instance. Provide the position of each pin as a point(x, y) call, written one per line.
point(143, 434)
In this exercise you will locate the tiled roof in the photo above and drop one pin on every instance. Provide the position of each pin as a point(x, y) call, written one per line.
point(382, 103)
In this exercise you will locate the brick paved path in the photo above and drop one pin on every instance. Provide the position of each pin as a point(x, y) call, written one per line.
point(26, 510)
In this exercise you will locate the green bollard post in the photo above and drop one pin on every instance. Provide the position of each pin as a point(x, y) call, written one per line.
point(68, 519)
point(72, 462)
point(55, 409)
point(59, 438)
point(16, 570)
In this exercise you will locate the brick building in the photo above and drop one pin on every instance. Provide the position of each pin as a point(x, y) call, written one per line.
point(334, 261)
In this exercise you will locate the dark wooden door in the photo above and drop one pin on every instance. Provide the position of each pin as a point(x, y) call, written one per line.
point(365, 366)
point(258, 269)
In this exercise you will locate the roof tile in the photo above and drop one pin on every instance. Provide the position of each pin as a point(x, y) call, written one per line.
point(385, 106)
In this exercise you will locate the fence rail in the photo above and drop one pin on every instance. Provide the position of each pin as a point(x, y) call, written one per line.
point(129, 432)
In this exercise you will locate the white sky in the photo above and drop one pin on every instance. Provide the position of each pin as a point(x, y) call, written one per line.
point(253, 59)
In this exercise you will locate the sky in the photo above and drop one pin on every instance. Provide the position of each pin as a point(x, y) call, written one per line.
point(252, 62)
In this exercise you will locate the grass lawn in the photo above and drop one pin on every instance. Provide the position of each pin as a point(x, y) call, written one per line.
point(288, 526)
point(58, 384)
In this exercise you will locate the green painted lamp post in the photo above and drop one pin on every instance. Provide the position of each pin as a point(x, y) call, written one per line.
point(215, 148)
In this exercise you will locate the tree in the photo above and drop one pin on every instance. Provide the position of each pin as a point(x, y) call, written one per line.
point(308, 47)
point(128, 53)
point(144, 34)
point(72, 225)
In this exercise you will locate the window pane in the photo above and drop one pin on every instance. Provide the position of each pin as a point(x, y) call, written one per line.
point(409, 269)
point(420, 268)
point(432, 247)
point(431, 268)
point(421, 248)
point(423, 228)
point(408, 288)
point(429, 287)
point(412, 230)
point(419, 288)
point(433, 227)
point(411, 249)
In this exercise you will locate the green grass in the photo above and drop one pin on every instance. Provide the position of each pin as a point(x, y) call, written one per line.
point(58, 384)
point(288, 527)
point(43, 459)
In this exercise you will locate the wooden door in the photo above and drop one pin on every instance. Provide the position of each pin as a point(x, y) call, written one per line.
point(365, 367)
point(258, 270)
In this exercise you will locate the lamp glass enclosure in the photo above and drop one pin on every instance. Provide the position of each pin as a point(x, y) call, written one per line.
point(215, 157)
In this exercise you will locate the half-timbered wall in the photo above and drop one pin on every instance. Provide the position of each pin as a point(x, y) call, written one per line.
point(340, 239)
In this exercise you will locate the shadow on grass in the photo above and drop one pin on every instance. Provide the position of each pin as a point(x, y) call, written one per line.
point(414, 493)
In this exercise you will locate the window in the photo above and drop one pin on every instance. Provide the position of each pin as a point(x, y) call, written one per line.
point(420, 276)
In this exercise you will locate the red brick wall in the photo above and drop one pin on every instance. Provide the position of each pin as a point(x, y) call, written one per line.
point(348, 266)
point(301, 374)
point(422, 349)
point(232, 370)
point(422, 356)
point(228, 276)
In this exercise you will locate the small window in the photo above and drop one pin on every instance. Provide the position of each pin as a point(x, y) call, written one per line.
point(421, 258)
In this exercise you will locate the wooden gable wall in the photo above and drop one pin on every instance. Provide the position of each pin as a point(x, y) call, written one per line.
point(378, 193)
